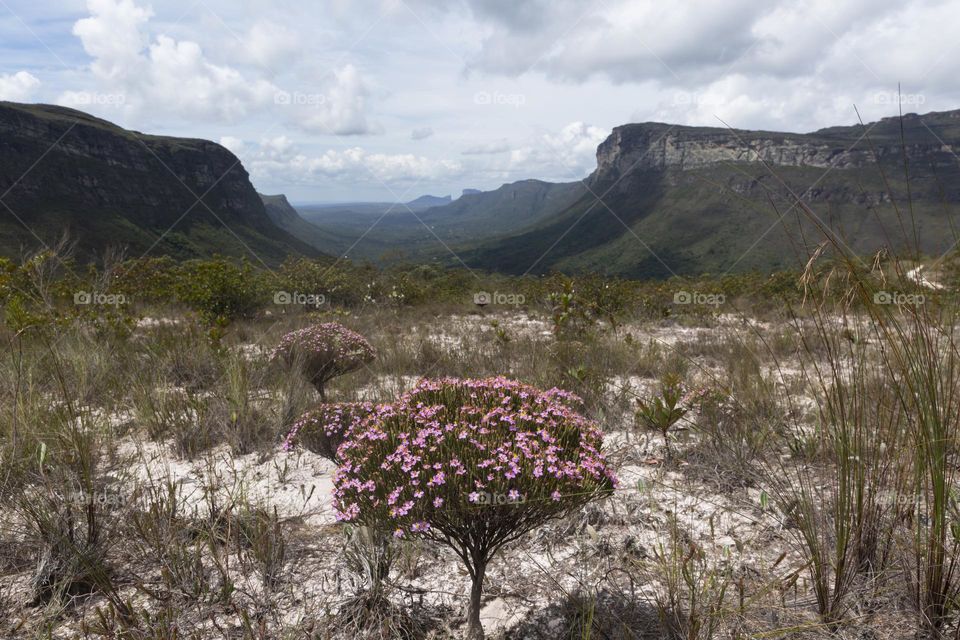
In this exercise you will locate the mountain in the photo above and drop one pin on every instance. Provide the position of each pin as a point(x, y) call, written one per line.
point(429, 201)
point(501, 211)
point(386, 233)
point(63, 171)
point(286, 217)
point(383, 232)
point(668, 199)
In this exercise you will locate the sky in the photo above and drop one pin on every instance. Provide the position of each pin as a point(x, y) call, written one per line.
point(387, 100)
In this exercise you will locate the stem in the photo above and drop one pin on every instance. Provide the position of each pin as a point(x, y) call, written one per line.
point(474, 628)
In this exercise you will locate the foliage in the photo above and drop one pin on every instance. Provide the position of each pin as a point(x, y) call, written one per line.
point(219, 290)
point(324, 351)
point(473, 464)
point(661, 412)
point(323, 428)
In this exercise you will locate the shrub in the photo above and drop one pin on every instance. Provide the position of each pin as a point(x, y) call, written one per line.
point(322, 429)
point(663, 411)
point(219, 290)
point(324, 351)
point(473, 464)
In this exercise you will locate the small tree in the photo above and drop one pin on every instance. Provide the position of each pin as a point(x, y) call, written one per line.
point(323, 428)
point(324, 351)
point(472, 464)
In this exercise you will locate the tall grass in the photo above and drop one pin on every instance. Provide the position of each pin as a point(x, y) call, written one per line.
point(881, 354)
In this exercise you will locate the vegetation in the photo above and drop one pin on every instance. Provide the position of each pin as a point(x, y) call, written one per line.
point(472, 464)
point(324, 351)
point(323, 429)
point(159, 475)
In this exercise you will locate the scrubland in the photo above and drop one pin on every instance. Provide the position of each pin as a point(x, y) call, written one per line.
point(785, 450)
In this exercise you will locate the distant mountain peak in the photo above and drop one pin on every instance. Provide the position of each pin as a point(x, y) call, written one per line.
point(430, 201)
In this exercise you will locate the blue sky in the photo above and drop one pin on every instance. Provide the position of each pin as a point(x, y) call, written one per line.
point(389, 99)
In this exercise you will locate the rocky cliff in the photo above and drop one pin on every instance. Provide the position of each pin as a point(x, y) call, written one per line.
point(659, 146)
point(65, 172)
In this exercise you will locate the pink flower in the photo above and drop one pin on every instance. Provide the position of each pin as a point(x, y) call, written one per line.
point(484, 439)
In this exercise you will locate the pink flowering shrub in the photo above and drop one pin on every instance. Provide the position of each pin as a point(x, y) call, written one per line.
point(473, 464)
point(324, 351)
point(322, 429)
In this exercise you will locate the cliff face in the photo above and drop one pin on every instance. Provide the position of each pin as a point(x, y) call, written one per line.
point(657, 146)
point(280, 210)
point(66, 171)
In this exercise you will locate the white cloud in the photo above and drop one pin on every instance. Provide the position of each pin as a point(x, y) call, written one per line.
point(174, 76)
point(166, 74)
point(268, 45)
point(112, 37)
point(279, 161)
point(569, 154)
point(18, 87)
point(340, 109)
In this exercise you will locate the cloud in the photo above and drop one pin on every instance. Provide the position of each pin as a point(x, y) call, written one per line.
point(840, 49)
point(279, 161)
point(268, 45)
point(171, 76)
point(624, 40)
point(487, 148)
point(18, 87)
point(421, 134)
point(340, 109)
point(570, 154)
point(167, 74)
point(112, 37)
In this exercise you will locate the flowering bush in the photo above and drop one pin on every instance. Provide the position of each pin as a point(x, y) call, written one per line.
point(324, 351)
point(323, 428)
point(473, 464)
